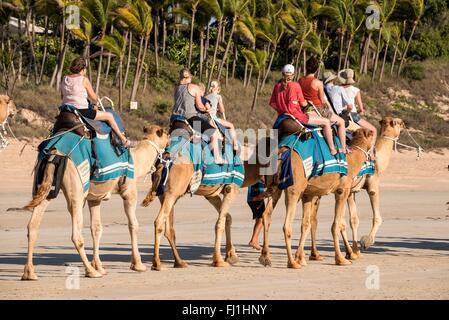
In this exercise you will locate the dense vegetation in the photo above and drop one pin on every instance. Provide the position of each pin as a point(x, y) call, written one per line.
point(135, 47)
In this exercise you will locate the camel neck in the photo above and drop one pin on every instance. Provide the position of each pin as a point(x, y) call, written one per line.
point(384, 149)
point(144, 156)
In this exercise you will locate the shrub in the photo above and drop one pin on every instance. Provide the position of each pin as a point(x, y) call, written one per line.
point(414, 71)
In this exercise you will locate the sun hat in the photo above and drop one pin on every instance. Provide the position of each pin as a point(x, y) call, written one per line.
point(288, 69)
point(346, 76)
point(329, 76)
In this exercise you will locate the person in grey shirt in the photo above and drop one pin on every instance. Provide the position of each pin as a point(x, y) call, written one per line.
point(335, 93)
point(188, 104)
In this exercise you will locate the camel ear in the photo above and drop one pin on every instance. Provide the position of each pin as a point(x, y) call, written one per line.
point(145, 129)
point(367, 133)
point(160, 132)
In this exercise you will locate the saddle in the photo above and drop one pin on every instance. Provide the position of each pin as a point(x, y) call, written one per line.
point(67, 120)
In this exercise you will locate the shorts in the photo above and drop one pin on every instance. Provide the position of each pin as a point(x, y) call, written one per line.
point(324, 112)
point(355, 116)
point(88, 113)
point(202, 125)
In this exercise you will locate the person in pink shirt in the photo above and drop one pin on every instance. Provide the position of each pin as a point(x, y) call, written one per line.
point(76, 89)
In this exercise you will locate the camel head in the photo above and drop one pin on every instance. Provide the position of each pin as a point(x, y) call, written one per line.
point(8, 104)
point(391, 126)
point(156, 134)
point(362, 138)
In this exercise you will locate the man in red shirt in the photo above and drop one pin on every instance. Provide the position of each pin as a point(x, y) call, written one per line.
point(287, 97)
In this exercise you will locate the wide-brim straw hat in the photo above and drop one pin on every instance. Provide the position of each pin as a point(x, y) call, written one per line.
point(346, 77)
point(329, 76)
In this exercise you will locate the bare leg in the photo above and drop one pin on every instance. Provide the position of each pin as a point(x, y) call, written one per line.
point(354, 219)
point(96, 230)
point(327, 131)
point(231, 128)
point(341, 131)
point(109, 118)
point(254, 242)
point(218, 159)
point(265, 258)
point(33, 228)
point(228, 197)
point(314, 255)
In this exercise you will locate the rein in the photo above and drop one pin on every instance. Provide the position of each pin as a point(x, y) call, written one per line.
point(365, 152)
point(418, 148)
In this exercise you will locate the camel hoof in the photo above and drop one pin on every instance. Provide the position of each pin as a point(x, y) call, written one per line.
point(99, 268)
point(265, 261)
point(293, 265)
point(220, 264)
point(366, 242)
point(342, 262)
point(180, 264)
point(29, 276)
point(316, 257)
point(139, 267)
point(352, 256)
point(232, 259)
point(93, 274)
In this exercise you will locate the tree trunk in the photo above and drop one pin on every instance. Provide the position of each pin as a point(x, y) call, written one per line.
point(376, 59)
point(61, 64)
point(100, 65)
point(201, 53)
point(250, 75)
point(164, 32)
point(340, 55)
point(61, 48)
point(394, 58)
point(346, 63)
point(256, 92)
point(404, 55)
point(383, 63)
point(366, 55)
point(44, 55)
point(304, 61)
point(192, 24)
point(227, 72)
point(211, 71)
point(156, 44)
point(128, 63)
point(234, 63)
point(136, 74)
point(268, 68)
point(246, 73)
point(120, 85)
point(206, 51)
point(32, 63)
point(228, 46)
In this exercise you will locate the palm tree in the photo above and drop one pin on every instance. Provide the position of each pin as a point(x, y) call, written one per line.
point(246, 31)
point(418, 7)
point(116, 45)
point(258, 59)
point(85, 33)
point(137, 15)
point(388, 31)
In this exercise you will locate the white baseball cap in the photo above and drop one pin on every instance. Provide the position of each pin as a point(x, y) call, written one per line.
point(288, 68)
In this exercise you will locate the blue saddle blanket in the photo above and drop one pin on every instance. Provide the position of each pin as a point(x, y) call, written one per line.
point(200, 155)
point(79, 149)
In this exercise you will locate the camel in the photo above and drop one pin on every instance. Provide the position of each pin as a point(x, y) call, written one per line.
point(7, 108)
point(178, 183)
point(308, 190)
point(144, 156)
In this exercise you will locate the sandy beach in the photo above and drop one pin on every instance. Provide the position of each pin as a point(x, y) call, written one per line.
point(411, 253)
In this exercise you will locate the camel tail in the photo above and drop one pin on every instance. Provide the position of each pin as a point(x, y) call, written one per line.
point(44, 189)
point(149, 198)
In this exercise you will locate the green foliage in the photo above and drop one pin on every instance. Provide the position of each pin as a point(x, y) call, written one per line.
point(162, 106)
point(178, 49)
point(414, 71)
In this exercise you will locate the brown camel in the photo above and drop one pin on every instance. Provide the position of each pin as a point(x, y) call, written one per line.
point(308, 190)
point(7, 108)
point(389, 132)
point(178, 183)
point(144, 156)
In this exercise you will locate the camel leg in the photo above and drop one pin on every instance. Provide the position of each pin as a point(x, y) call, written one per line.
point(307, 208)
point(265, 258)
point(374, 196)
point(314, 255)
point(354, 220)
point(337, 227)
point(96, 230)
point(33, 228)
point(171, 237)
point(228, 197)
point(231, 255)
point(167, 203)
point(349, 252)
point(291, 200)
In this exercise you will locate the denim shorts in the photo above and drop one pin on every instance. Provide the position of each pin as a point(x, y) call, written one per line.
point(355, 116)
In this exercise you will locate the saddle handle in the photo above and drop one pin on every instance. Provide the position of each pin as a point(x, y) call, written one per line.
point(100, 102)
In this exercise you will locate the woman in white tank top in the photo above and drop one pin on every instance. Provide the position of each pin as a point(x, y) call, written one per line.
point(76, 89)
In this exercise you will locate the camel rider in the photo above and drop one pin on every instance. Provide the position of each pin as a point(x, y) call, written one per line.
point(76, 88)
point(189, 106)
point(287, 97)
point(355, 105)
point(334, 93)
point(314, 91)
